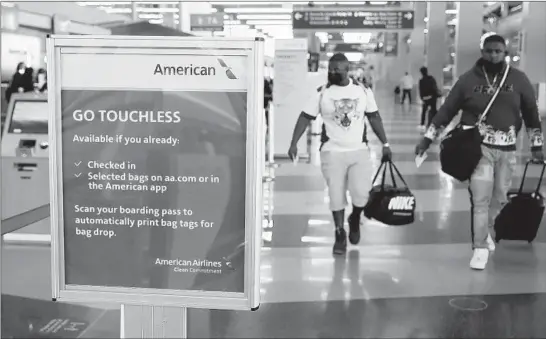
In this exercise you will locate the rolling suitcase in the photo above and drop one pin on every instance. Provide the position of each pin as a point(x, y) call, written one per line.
point(521, 217)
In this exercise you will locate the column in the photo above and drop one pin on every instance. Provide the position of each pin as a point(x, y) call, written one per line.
point(184, 16)
point(403, 62)
point(467, 37)
point(533, 62)
point(417, 46)
point(134, 12)
point(436, 40)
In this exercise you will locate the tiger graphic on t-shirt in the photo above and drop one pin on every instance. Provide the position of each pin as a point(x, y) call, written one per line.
point(345, 112)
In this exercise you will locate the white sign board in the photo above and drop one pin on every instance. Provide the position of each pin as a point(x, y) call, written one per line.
point(156, 170)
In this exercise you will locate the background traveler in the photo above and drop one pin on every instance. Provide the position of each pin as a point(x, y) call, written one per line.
point(21, 81)
point(429, 93)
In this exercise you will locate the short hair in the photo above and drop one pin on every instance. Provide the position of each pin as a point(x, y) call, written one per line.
point(423, 70)
point(494, 38)
point(340, 57)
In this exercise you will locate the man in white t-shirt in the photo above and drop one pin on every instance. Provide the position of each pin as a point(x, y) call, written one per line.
point(346, 162)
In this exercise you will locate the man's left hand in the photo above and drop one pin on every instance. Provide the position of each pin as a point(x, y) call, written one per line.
point(387, 154)
point(538, 156)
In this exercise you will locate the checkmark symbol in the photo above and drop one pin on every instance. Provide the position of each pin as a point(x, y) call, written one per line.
point(77, 175)
point(78, 163)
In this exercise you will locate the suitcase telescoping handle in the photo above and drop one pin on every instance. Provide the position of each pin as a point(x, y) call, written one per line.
point(529, 162)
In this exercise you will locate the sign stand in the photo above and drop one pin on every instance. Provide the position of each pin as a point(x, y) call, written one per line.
point(150, 145)
point(153, 322)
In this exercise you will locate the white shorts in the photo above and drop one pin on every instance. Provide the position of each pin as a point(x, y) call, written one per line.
point(352, 171)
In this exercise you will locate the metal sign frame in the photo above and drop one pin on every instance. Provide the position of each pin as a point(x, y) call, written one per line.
point(253, 49)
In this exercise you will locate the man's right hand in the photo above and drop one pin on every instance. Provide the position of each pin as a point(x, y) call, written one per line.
point(423, 146)
point(293, 152)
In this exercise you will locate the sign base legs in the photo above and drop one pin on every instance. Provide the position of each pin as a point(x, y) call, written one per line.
point(139, 321)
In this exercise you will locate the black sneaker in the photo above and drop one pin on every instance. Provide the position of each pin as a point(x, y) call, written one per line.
point(340, 246)
point(354, 229)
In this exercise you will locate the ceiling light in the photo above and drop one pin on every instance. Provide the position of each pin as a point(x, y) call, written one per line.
point(116, 10)
point(264, 17)
point(158, 10)
point(238, 27)
point(140, 10)
point(357, 37)
point(274, 27)
point(238, 3)
point(87, 3)
point(269, 22)
point(257, 10)
point(150, 16)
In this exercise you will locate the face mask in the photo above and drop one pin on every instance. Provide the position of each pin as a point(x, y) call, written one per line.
point(492, 67)
point(22, 71)
point(334, 78)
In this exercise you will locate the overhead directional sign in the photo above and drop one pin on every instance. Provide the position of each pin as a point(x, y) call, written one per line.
point(353, 19)
point(207, 22)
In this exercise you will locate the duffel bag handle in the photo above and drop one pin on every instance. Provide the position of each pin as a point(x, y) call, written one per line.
point(525, 174)
point(383, 167)
point(393, 166)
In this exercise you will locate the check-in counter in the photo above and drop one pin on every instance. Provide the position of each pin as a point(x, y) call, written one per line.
point(25, 158)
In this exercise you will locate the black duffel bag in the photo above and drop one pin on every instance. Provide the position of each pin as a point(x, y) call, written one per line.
point(520, 218)
point(460, 149)
point(390, 204)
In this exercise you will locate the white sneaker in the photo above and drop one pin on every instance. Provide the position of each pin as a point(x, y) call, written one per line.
point(490, 243)
point(479, 259)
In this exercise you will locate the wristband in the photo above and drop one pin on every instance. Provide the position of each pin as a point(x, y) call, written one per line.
point(386, 145)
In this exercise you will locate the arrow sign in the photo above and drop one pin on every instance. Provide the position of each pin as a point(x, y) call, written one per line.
point(324, 19)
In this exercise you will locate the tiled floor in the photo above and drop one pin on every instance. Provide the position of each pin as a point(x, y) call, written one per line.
point(399, 282)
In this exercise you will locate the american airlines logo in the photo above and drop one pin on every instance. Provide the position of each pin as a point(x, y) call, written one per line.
point(228, 70)
point(402, 204)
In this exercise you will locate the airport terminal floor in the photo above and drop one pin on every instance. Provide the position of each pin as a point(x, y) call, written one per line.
point(399, 282)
